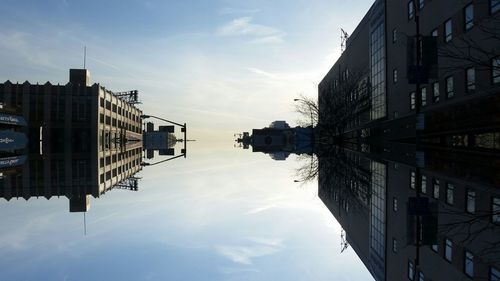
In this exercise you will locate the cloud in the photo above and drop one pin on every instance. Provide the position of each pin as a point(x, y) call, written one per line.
point(261, 34)
point(231, 11)
point(245, 254)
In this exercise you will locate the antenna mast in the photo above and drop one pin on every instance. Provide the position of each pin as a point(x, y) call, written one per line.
point(343, 40)
point(84, 56)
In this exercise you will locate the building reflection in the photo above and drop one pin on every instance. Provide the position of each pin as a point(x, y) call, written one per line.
point(374, 198)
point(83, 140)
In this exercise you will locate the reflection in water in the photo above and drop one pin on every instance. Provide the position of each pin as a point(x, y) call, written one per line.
point(77, 140)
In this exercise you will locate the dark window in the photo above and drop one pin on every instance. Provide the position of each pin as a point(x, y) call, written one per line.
point(423, 94)
point(495, 210)
point(470, 78)
point(412, 100)
point(494, 6)
point(435, 91)
point(470, 204)
point(421, 276)
point(450, 193)
point(450, 89)
point(448, 34)
point(108, 105)
point(435, 248)
point(394, 245)
point(411, 9)
point(448, 250)
point(412, 180)
point(394, 35)
point(469, 17)
point(421, 4)
point(395, 204)
point(395, 75)
point(469, 264)
point(411, 271)
point(495, 69)
point(423, 186)
point(435, 192)
point(101, 102)
point(494, 274)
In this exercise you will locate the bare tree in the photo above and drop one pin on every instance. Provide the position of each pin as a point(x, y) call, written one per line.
point(344, 105)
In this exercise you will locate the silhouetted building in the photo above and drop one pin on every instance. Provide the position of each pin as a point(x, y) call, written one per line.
point(279, 140)
point(369, 195)
point(460, 76)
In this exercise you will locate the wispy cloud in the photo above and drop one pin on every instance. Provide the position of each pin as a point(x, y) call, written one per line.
point(231, 11)
point(245, 254)
point(261, 34)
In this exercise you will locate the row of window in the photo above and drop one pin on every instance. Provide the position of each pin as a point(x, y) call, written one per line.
point(470, 198)
point(119, 110)
point(468, 11)
point(449, 85)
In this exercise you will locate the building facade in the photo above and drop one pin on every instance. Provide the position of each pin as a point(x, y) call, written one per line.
point(83, 140)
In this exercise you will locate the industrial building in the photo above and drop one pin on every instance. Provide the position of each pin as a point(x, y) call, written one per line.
point(83, 140)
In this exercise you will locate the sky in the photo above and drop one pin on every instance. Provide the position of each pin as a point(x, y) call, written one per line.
point(221, 66)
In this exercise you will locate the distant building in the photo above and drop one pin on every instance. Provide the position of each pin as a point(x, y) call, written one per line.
point(84, 140)
point(279, 140)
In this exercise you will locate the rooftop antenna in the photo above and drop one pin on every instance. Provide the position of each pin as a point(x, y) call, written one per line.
point(84, 224)
point(343, 40)
point(84, 56)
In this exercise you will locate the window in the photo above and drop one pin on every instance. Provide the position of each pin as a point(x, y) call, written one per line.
point(435, 248)
point(436, 189)
point(450, 190)
point(495, 68)
point(495, 210)
point(423, 95)
point(411, 11)
point(470, 78)
point(412, 180)
point(421, 4)
point(394, 245)
point(494, 6)
point(435, 91)
point(494, 274)
point(412, 100)
point(395, 204)
point(468, 17)
point(470, 203)
point(469, 264)
point(421, 276)
point(395, 76)
point(448, 34)
point(423, 188)
point(450, 89)
point(411, 271)
point(434, 33)
point(448, 249)
point(394, 35)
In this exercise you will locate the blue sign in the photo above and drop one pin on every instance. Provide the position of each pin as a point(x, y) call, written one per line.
point(12, 120)
point(10, 162)
point(10, 140)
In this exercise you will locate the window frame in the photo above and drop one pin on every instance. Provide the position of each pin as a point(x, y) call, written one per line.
point(468, 208)
point(468, 24)
point(446, 248)
point(448, 37)
point(468, 257)
point(450, 190)
point(449, 93)
point(436, 98)
point(470, 86)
